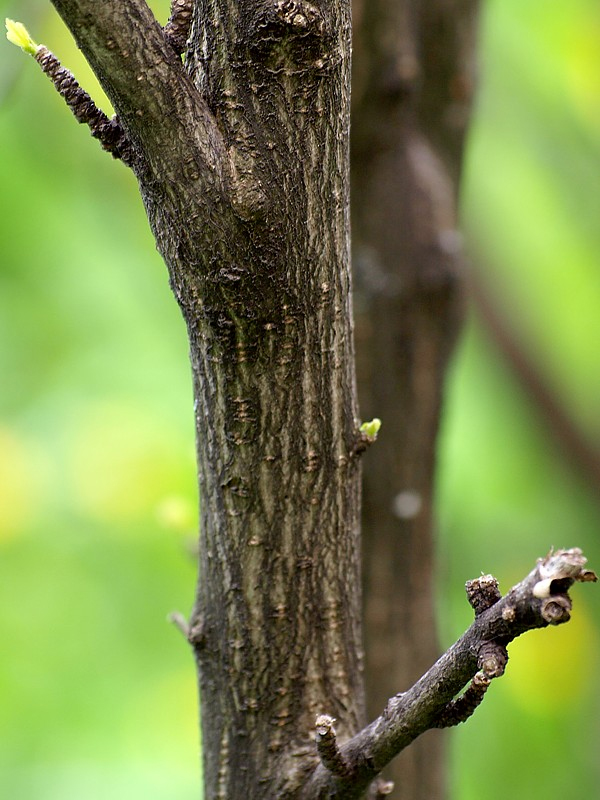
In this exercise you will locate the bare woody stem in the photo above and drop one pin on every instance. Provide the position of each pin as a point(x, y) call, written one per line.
point(177, 29)
point(108, 131)
point(327, 746)
point(540, 599)
point(210, 228)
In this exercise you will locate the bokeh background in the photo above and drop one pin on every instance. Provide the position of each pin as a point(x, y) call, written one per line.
point(97, 484)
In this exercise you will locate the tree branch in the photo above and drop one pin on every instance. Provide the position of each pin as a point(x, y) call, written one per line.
point(579, 450)
point(109, 132)
point(479, 655)
point(157, 103)
point(327, 746)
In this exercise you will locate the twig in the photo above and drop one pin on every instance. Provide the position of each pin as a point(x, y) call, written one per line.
point(180, 622)
point(479, 655)
point(109, 132)
point(462, 708)
point(177, 29)
point(327, 746)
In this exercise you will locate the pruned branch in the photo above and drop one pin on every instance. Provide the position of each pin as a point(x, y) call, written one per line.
point(327, 746)
point(539, 600)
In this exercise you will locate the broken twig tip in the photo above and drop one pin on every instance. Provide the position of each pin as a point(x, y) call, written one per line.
point(180, 622)
point(327, 746)
point(482, 593)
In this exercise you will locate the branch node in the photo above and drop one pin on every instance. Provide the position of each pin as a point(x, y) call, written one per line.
point(366, 435)
point(328, 748)
point(197, 633)
point(492, 659)
point(482, 593)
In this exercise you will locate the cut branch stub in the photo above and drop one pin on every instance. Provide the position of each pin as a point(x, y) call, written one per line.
point(327, 746)
point(482, 593)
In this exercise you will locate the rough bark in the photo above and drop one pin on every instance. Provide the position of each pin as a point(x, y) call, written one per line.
point(411, 93)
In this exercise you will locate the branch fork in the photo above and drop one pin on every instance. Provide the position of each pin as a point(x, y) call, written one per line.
point(479, 656)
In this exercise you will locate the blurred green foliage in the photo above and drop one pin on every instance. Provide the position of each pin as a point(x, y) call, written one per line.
point(506, 490)
point(97, 484)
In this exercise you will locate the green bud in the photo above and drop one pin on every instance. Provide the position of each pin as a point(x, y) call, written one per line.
point(18, 34)
point(371, 428)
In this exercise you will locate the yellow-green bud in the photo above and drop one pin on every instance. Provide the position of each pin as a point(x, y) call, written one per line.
point(371, 428)
point(18, 34)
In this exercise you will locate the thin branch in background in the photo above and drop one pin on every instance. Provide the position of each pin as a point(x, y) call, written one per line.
point(583, 455)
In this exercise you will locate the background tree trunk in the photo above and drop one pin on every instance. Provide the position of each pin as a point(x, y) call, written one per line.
point(412, 80)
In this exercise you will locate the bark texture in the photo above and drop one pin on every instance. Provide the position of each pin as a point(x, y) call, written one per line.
point(412, 80)
point(273, 370)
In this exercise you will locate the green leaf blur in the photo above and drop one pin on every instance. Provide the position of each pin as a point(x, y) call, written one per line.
point(97, 484)
point(97, 473)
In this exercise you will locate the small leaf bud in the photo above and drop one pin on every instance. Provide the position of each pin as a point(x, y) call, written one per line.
point(17, 33)
point(371, 428)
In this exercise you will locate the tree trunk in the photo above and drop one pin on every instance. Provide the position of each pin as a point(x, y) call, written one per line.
point(278, 602)
point(411, 93)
